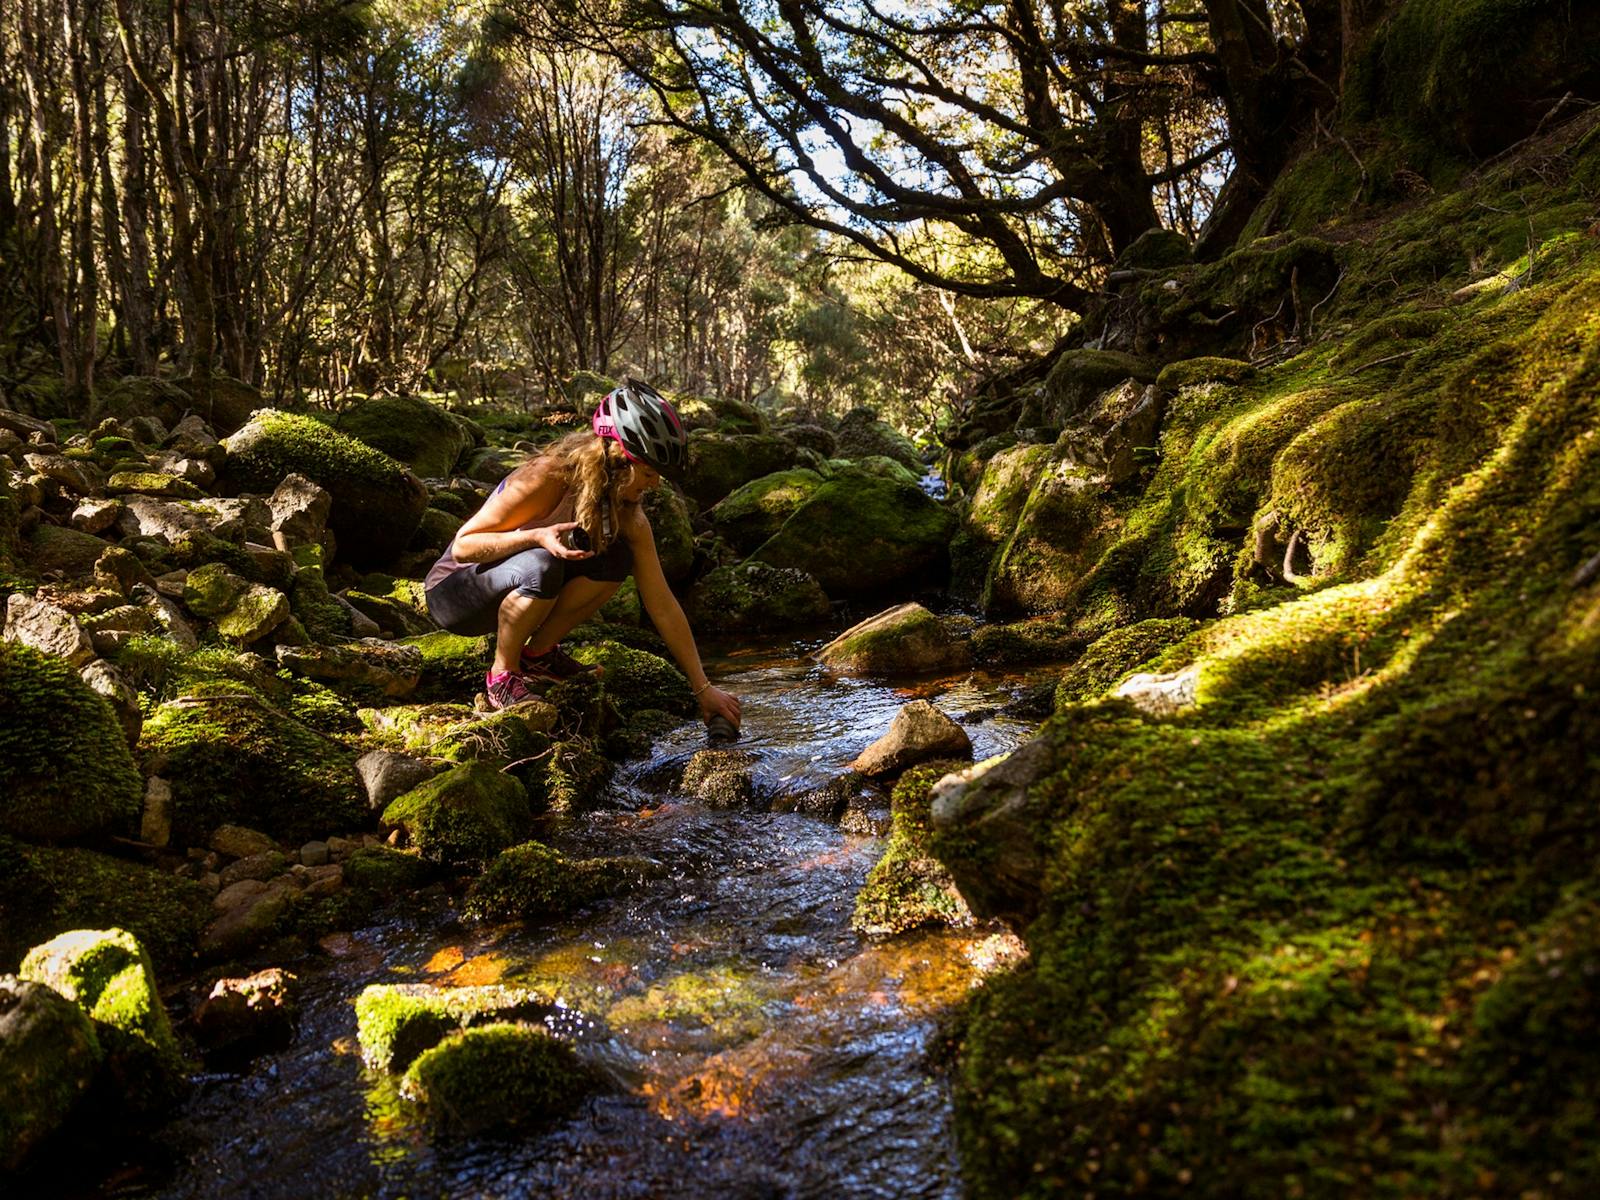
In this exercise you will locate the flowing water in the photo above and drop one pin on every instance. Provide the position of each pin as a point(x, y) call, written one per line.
point(755, 1046)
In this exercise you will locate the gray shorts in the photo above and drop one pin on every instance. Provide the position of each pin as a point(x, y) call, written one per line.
point(467, 601)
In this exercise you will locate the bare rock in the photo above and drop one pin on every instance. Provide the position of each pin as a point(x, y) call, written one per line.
point(300, 509)
point(828, 801)
point(168, 615)
point(47, 627)
point(386, 775)
point(78, 478)
point(105, 680)
point(155, 824)
point(1162, 695)
point(245, 924)
point(25, 426)
point(918, 732)
point(95, 516)
point(235, 841)
point(248, 1016)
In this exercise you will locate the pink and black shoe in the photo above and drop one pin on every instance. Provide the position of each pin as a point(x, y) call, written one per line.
point(554, 664)
point(505, 688)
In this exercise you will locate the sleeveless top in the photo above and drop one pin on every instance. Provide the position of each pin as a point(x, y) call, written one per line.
point(448, 564)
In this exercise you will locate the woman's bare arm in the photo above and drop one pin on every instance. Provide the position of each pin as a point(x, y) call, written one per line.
point(670, 623)
point(492, 532)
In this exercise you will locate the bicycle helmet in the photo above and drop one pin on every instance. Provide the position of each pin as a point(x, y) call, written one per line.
point(639, 419)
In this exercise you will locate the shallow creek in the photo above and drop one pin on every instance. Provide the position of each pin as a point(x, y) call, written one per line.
point(755, 1045)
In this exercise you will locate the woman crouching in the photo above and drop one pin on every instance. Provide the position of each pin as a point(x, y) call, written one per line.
point(556, 539)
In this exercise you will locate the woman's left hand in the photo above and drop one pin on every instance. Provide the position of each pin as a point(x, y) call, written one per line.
point(716, 702)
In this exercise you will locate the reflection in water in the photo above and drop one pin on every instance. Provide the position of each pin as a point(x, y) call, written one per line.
point(755, 1045)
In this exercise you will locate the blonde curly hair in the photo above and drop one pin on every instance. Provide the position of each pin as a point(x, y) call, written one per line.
point(595, 470)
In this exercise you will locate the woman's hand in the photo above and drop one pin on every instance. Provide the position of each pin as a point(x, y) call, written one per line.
point(716, 702)
point(549, 538)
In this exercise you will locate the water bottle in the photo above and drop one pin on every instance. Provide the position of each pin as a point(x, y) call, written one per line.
point(720, 730)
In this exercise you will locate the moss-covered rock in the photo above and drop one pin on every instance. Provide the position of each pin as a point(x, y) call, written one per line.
point(674, 534)
point(1005, 481)
point(496, 1078)
point(908, 887)
point(233, 757)
point(466, 815)
point(1063, 529)
point(151, 483)
point(452, 666)
point(397, 1022)
point(49, 1057)
point(532, 880)
point(427, 438)
point(1078, 377)
point(385, 872)
point(1027, 642)
point(211, 590)
point(65, 769)
point(904, 640)
point(860, 535)
point(1191, 371)
point(377, 503)
point(1117, 654)
point(311, 602)
point(636, 679)
point(571, 779)
point(719, 463)
point(752, 596)
point(58, 549)
point(107, 974)
point(754, 512)
point(862, 435)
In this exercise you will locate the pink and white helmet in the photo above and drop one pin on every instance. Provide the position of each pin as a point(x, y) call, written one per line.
point(639, 419)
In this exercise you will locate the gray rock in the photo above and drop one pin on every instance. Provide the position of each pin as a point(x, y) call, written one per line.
point(386, 775)
point(79, 478)
point(168, 615)
point(390, 667)
point(267, 865)
point(25, 426)
point(918, 732)
point(1161, 695)
point(184, 466)
point(155, 824)
point(48, 1058)
point(47, 627)
point(246, 924)
point(314, 854)
point(105, 680)
point(95, 516)
point(235, 841)
point(993, 806)
point(300, 509)
point(241, 891)
point(146, 516)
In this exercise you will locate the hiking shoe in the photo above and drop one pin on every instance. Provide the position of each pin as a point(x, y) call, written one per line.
point(505, 688)
point(555, 664)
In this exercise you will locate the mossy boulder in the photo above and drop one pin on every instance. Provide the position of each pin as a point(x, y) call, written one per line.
point(44, 891)
point(496, 1078)
point(636, 679)
point(674, 535)
point(532, 880)
point(571, 779)
point(877, 466)
point(58, 549)
point(377, 502)
point(1064, 527)
point(65, 768)
point(395, 1022)
point(107, 974)
point(385, 872)
point(862, 435)
point(233, 757)
point(466, 815)
point(151, 483)
point(859, 535)
point(49, 1057)
point(1002, 488)
point(721, 462)
point(1191, 371)
point(753, 513)
point(753, 596)
point(452, 666)
point(905, 640)
point(427, 438)
point(211, 590)
point(908, 887)
point(1078, 377)
point(436, 530)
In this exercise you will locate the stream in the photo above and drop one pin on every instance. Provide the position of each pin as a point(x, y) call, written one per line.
point(755, 1045)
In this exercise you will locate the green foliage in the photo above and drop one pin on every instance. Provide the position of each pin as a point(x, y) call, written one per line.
point(65, 769)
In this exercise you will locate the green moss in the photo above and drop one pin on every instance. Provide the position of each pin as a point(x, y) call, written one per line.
point(72, 552)
point(497, 1078)
point(107, 973)
point(753, 596)
point(466, 815)
point(719, 463)
point(1066, 524)
point(637, 679)
point(452, 666)
point(385, 872)
point(754, 512)
point(1117, 654)
point(397, 1022)
point(409, 429)
point(152, 483)
point(908, 887)
point(570, 779)
point(1022, 643)
point(1204, 370)
point(47, 891)
point(65, 769)
point(532, 880)
point(233, 757)
point(211, 590)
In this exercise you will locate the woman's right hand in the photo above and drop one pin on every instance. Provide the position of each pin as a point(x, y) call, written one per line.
point(549, 537)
